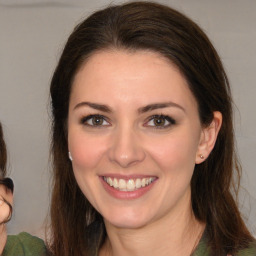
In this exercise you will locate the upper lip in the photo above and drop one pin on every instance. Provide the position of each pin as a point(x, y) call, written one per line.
point(127, 177)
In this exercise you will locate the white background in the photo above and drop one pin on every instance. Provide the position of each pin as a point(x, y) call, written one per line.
point(32, 35)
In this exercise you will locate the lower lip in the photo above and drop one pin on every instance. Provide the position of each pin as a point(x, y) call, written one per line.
point(127, 195)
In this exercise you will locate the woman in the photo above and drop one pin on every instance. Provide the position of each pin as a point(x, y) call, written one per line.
point(22, 244)
point(142, 140)
point(143, 143)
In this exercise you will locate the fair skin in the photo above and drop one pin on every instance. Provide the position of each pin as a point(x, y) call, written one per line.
point(4, 213)
point(135, 136)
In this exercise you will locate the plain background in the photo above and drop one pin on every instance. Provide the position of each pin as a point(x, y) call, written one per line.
point(32, 35)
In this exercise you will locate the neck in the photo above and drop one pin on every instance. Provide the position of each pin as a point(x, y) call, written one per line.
point(177, 234)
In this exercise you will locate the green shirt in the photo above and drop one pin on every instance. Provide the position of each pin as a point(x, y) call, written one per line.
point(24, 244)
point(203, 249)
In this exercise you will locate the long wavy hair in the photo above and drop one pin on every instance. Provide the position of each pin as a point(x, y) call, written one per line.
point(77, 229)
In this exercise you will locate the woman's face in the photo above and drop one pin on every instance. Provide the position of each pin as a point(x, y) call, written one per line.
point(134, 136)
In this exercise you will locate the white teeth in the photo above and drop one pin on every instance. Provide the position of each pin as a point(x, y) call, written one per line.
point(109, 181)
point(138, 183)
point(128, 185)
point(115, 183)
point(122, 184)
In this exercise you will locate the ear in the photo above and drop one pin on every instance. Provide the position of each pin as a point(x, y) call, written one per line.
point(208, 138)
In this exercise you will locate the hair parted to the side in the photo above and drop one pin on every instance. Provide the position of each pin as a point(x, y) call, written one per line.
point(77, 229)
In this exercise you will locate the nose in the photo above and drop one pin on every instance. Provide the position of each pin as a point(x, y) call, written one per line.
point(126, 149)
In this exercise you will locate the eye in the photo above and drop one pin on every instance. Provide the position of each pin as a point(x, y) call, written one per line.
point(160, 121)
point(95, 120)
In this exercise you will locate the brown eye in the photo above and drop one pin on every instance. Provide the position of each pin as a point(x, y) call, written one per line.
point(160, 121)
point(95, 120)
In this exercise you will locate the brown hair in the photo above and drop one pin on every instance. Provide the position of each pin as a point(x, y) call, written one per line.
point(77, 229)
point(3, 154)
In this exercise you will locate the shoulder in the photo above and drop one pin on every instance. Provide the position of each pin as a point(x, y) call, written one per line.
point(249, 251)
point(203, 248)
point(24, 244)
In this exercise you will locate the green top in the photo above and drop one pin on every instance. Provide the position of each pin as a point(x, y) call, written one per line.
point(203, 249)
point(26, 245)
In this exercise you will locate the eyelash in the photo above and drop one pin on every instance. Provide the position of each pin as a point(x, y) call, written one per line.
point(85, 121)
point(165, 118)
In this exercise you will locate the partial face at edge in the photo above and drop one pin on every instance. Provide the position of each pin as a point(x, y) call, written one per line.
point(134, 135)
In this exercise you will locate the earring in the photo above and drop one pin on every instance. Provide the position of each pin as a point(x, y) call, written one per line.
point(201, 156)
point(69, 156)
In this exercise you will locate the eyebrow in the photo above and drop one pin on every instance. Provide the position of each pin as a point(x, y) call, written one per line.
point(147, 108)
point(101, 107)
point(154, 106)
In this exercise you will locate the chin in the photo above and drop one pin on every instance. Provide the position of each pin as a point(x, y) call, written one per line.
point(127, 219)
point(127, 223)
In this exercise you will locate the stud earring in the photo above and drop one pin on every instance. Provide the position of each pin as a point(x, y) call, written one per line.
point(201, 156)
point(69, 156)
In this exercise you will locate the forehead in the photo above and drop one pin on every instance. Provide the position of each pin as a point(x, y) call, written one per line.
point(131, 76)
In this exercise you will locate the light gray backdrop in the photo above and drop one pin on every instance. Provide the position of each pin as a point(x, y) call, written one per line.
point(32, 34)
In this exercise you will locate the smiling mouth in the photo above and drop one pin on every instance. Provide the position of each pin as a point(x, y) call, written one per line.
point(130, 184)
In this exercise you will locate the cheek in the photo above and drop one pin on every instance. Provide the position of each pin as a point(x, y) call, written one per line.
point(175, 152)
point(86, 151)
